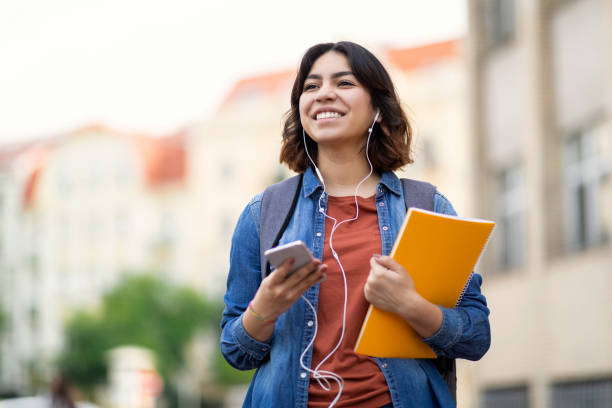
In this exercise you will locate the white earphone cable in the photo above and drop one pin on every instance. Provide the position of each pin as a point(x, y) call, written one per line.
point(322, 376)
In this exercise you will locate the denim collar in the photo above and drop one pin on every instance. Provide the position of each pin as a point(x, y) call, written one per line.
point(389, 180)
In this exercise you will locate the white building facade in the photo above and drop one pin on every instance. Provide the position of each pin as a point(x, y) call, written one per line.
point(79, 212)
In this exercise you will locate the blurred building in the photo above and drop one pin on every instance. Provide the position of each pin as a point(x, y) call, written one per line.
point(77, 212)
point(431, 81)
point(233, 156)
point(541, 109)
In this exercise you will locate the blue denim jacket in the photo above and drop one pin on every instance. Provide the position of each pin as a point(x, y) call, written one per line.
point(279, 380)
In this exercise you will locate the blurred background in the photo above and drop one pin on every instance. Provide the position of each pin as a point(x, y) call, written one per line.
point(133, 134)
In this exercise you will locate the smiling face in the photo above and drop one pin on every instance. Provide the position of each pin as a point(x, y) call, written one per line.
point(334, 107)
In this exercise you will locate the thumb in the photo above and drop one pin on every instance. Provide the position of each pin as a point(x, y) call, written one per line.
point(388, 263)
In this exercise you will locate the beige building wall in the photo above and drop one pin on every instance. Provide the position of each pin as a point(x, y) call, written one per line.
point(536, 89)
point(434, 97)
point(233, 157)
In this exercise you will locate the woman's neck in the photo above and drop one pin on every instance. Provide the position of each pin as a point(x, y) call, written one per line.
point(343, 172)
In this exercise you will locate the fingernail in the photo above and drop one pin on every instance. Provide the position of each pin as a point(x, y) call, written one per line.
point(376, 256)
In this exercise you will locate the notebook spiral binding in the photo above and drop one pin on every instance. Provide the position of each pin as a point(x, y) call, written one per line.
point(465, 288)
point(475, 266)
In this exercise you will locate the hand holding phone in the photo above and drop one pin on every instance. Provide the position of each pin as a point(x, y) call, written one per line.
point(296, 250)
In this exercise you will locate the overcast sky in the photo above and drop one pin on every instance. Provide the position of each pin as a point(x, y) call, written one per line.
point(156, 66)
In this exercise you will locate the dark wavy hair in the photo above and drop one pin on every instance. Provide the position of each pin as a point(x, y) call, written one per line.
point(391, 138)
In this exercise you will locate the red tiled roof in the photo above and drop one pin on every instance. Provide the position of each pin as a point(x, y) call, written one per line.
point(37, 157)
point(261, 85)
point(164, 159)
point(10, 152)
point(30, 186)
point(402, 58)
point(416, 57)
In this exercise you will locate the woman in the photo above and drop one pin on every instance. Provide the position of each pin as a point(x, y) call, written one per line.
point(346, 133)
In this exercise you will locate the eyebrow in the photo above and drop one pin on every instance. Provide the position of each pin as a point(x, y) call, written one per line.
point(334, 75)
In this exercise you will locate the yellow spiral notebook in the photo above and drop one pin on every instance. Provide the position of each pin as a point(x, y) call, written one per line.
point(440, 252)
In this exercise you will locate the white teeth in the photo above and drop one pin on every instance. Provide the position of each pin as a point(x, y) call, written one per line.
point(325, 115)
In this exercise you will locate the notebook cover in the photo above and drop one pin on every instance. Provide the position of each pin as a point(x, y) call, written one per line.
point(440, 252)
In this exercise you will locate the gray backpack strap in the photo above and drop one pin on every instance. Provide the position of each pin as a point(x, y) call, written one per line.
point(419, 194)
point(277, 206)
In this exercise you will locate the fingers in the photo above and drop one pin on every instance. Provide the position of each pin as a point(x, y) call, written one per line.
point(316, 276)
point(302, 279)
point(302, 272)
point(299, 280)
point(292, 289)
point(387, 262)
point(376, 267)
point(279, 274)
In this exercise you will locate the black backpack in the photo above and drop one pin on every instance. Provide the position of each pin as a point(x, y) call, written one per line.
point(277, 207)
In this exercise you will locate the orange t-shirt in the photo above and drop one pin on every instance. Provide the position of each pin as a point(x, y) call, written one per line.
point(355, 242)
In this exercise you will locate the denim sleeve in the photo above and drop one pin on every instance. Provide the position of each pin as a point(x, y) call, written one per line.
point(240, 349)
point(465, 331)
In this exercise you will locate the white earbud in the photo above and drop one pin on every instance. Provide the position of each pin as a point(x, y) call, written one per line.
point(374, 122)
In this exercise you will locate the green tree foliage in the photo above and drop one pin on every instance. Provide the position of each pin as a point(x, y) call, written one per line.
point(225, 374)
point(84, 358)
point(141, 311)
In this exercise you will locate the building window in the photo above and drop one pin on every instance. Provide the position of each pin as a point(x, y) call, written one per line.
point(167, 228)
point(226, 171)
point(34, 317)
point(499, 22)
point(592, 394)
point(226, 226)
point(510, 397)
point(93, 227)
point(122, 225)
point(122, 173)
point(64, 182)
point(584, 173)
point(512, 213)
point(429, 153)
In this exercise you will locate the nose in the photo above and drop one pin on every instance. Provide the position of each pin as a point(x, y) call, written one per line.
point(325, 93)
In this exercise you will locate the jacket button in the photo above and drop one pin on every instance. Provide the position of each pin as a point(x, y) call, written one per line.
point(310, 323)
point(303, 375)
point(318, 234)
point(381, 204)
point(385, 228)
point(384, 365)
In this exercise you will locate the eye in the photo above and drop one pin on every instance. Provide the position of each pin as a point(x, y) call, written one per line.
point(309, 86)
point(345, 83)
